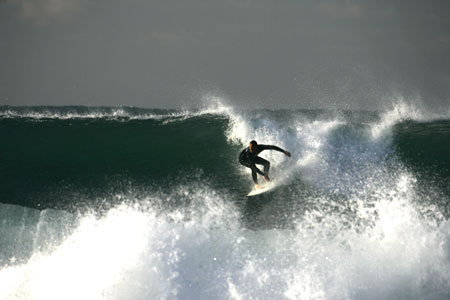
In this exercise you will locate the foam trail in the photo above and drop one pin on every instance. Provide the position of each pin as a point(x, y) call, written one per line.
point(305, 139)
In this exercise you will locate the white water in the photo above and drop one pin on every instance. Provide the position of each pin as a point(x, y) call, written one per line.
point(203, 252)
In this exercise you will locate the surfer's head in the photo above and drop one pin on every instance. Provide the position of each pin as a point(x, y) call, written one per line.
point(253, 145)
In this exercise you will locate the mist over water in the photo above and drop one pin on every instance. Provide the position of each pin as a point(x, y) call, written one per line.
point(360, 212)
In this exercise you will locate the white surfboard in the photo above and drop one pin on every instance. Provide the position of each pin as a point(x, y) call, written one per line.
point(262, 189)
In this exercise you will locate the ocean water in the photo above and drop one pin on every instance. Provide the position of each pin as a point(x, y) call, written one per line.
point(130, 203)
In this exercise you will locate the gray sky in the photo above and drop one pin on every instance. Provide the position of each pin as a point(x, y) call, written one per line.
point(272, 54)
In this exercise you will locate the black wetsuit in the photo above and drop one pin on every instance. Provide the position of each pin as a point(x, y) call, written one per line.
point(249, 159)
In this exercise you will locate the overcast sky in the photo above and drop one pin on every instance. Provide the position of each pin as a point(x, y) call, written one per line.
point(271, 54)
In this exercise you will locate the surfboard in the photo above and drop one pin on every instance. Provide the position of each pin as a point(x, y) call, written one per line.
point(265, 188)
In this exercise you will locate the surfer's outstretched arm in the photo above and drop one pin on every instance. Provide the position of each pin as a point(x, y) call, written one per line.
point(273, 147)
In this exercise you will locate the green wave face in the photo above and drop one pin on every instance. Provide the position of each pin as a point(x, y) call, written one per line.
point(424, 143)
point(48, 154)
point(91, 154)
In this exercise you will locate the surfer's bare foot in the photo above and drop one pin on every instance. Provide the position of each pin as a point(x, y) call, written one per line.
point(266, 178)
point(257, 186)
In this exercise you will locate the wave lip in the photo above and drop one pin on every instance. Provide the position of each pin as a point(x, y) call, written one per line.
point(402, 111)
point(84, 112)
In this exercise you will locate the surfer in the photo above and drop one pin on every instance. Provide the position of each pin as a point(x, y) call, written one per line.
point(249, 157)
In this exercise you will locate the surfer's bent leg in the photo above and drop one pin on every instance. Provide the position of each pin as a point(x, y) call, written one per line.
point(254, 177)
point(254, 169)
point(265, 163)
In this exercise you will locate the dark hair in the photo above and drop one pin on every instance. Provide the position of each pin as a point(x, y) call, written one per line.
point(254, 143)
